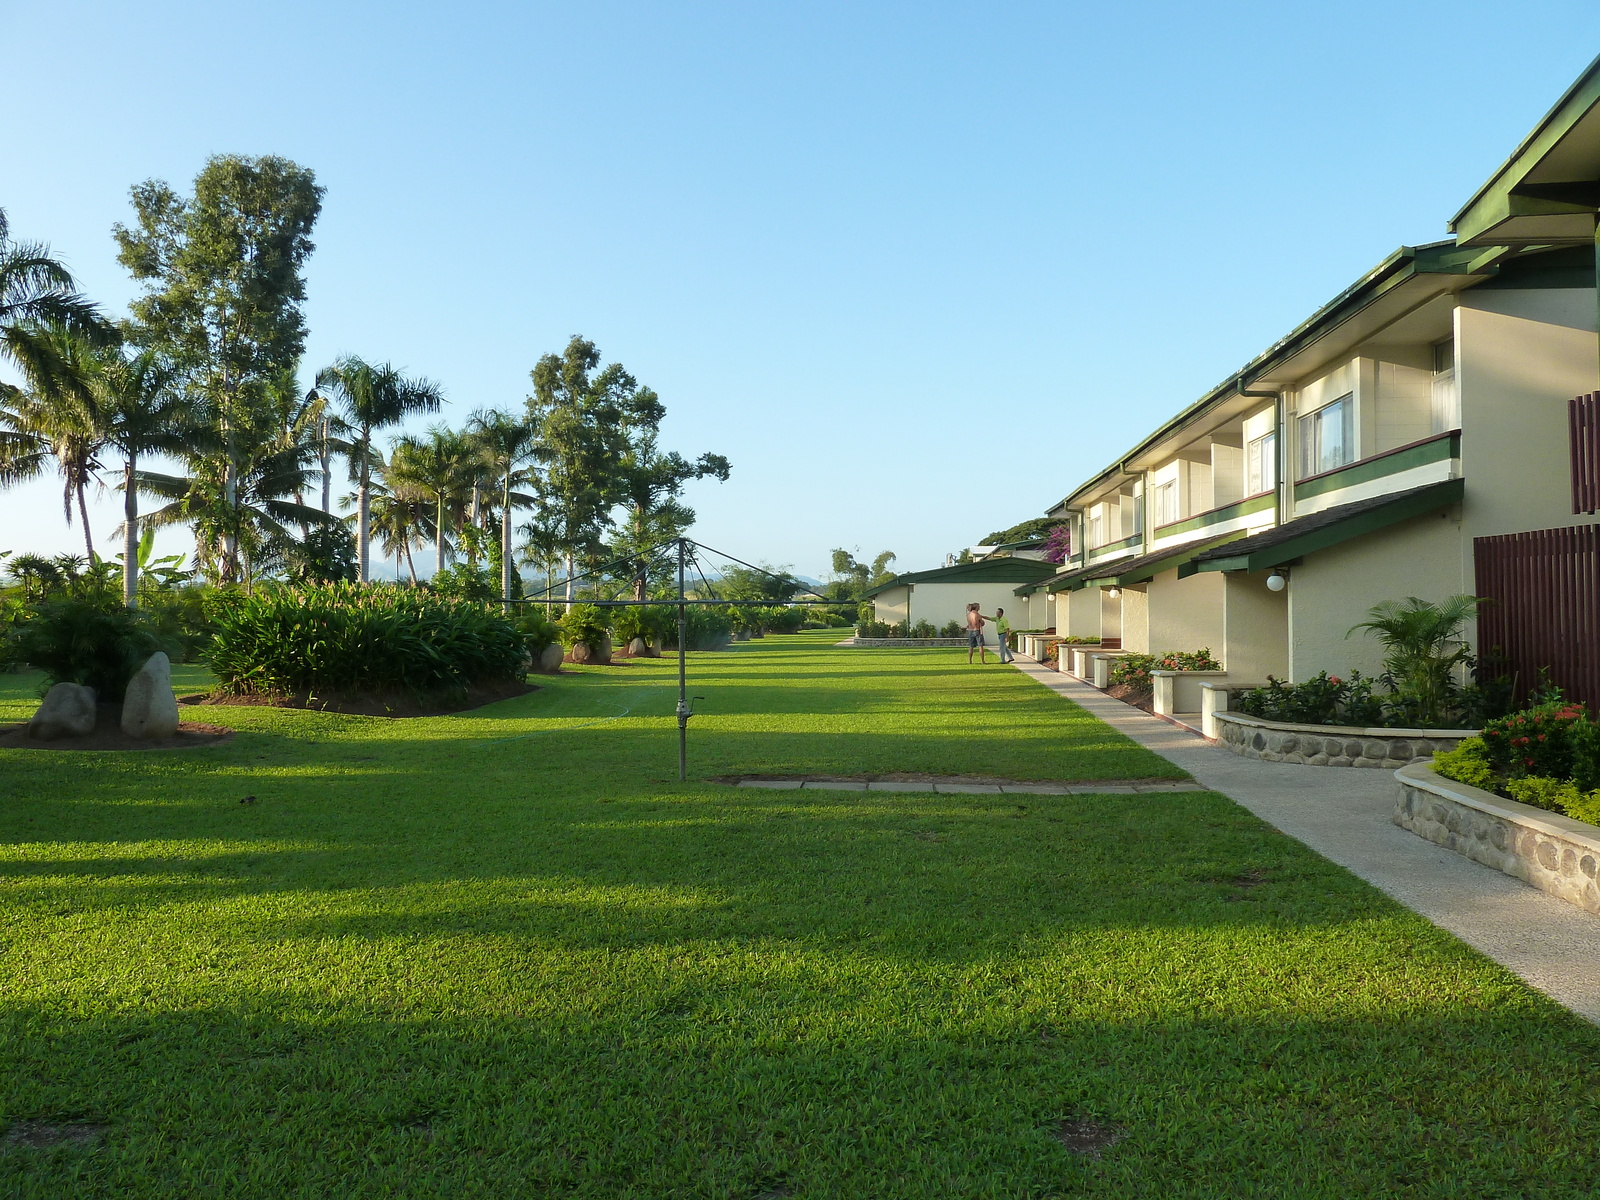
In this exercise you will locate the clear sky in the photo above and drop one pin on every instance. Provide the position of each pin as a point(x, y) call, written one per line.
point(916, 269)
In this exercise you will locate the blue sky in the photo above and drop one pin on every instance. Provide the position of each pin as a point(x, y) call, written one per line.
point(916, 269)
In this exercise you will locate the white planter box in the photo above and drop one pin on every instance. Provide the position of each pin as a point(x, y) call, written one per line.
point(1179, 691)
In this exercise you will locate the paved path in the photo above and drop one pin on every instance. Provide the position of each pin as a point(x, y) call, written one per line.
point(955, 783)
point(1345, 815)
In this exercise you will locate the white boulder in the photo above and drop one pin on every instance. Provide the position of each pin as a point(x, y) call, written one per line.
point(150, 707)
point(68, 710)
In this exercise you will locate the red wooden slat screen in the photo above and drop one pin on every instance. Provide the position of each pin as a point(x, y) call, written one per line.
point(1583, 445)
point(1541, 608)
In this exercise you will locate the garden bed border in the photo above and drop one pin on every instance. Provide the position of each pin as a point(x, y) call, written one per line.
point(1548, 850)
point(1331, 745)
point(860, 643)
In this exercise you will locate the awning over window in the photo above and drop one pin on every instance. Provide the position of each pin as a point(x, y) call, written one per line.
point(1307, 535)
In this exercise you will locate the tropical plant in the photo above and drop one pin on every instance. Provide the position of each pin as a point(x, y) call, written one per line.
point(141, 410)
point(326, 554)
point(705, 629)
point(1321, 700)
point(586, 623)
point(1423, 654)
point(438, 465)
point(508, 447)
point(38, 292)
point(464, 582)
point(354, 640)
point(373, 397)
point(89, 638)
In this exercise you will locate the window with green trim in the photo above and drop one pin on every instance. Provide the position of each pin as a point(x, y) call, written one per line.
point(1261, 464)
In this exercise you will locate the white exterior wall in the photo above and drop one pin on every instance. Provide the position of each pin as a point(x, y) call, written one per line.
point(1255, 629)
point(1521, 356)
point(1332, 589)
point(1082, 613)
point(1134, 619)
point(1184, 614)
point(889, 605)
point(943, 602)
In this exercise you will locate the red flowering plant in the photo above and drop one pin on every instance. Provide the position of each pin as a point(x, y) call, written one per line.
point(1536, 741)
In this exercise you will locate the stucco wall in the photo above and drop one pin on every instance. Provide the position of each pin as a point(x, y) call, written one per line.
point(1255, 627)
point(890, 605)
point(941, 602)
point(1522, 355)
point(1185, 614)
point(1330, 591)
point(1135, 619)
point(1082, 612)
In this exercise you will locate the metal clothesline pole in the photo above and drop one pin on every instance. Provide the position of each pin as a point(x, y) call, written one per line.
point(683, 677)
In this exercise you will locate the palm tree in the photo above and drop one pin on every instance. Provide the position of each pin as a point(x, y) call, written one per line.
point(143, 410)
point(1422, 648)
point(36, 290)
point(373, 397)
point(55, 416)
point(440, 465)
point(508, 447)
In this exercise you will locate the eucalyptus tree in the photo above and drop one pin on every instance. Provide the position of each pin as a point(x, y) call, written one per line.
point(586, 421)
point(37, 291)
point(373, 397)
point(54, 415)
point(649, 488)
point(142, 410)
point(441, 465)
point(223, 292)
point(509, 447)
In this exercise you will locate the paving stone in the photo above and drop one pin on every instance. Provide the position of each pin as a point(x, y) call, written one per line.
point(1034, 789)
point(890, 785)
point(837, 785)
point(987, 789)
point(1168, 785)
point(770, 783)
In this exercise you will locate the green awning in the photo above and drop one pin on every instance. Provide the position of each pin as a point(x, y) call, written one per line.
point(1307, 535)
point(1142, 570)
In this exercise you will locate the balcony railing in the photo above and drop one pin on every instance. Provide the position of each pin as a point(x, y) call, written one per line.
point(1441, 447)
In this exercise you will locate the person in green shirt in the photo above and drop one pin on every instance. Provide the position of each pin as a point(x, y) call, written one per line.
point(1002, 630)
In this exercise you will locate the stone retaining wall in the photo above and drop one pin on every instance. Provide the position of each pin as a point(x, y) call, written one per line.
point(1332, 745)
point(1552, 852)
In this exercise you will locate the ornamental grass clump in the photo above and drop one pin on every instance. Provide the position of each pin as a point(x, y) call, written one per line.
point(353, 640)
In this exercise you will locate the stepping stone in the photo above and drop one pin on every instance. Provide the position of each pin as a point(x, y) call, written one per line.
point(898, 786)
point(987, 789)
point(837, 785)
point(1169, 785)
point(770, 783)
point(1035, 789)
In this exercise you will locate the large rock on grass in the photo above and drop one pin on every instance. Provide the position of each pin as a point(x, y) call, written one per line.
point(549, 661)
point(68, 710)
point(638, 648)
point(150, 709)
point(598, 651)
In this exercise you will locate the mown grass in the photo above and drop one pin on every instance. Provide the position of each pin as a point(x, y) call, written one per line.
point(507, 954)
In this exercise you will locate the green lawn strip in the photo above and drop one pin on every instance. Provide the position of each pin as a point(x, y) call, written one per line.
point(429, 961)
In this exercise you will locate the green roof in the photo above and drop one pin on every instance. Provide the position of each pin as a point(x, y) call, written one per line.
point(989, 570)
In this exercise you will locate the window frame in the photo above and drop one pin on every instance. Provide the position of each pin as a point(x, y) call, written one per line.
point(1261, 464)
point(1309, 429)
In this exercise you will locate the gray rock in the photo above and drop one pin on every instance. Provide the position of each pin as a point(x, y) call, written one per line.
point(638, 648)
point(149, 708)
point(602, 652)
point(68, 710)
point(550, 659)
point(581, 652)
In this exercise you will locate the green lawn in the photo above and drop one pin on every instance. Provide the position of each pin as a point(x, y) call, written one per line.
point(507, 954)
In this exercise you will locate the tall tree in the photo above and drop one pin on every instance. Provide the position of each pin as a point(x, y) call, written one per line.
point(440, 464)
point(223, 291)
point(142, 410)
point(649, 486)
point(508, 447)
point(373, 397)
point(586, 421)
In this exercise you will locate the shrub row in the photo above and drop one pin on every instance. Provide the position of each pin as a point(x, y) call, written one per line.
point(352, 639)
point(1135, 669)
point(1547, 756)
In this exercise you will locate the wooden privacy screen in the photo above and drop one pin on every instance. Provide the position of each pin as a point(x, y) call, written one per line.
point(1583, 445)
point(1541, 609)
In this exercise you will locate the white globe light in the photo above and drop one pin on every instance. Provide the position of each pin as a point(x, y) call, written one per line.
point(1276, 582)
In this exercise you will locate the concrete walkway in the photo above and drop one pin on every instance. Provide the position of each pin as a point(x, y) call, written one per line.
point(1345, 814)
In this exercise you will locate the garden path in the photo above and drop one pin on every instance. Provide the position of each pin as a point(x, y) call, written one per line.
point(1345, 815)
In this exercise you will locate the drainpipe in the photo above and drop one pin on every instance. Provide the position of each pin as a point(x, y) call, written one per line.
point(1281, 443)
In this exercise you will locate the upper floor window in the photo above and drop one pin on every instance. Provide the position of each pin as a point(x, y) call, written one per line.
point(1446, 397)
point(1166, 503)
point(1097, 530)
point(1261, 464)
point(1138, 513)
point(1328, 437)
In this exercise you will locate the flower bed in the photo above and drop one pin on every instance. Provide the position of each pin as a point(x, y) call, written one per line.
point(1547, 756)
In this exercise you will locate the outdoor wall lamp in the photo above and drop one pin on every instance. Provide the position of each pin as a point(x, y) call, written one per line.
point(1278, 580)
point(1113, 592)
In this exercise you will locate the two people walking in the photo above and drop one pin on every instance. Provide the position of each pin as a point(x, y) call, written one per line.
point(975, 639)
